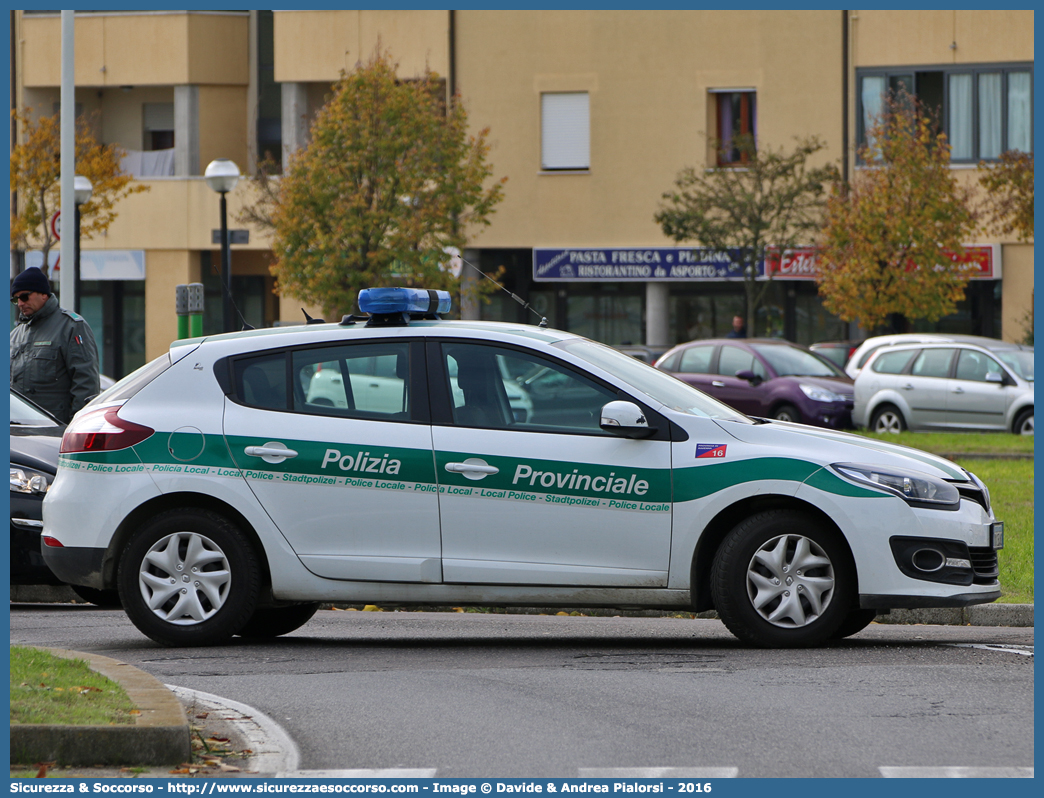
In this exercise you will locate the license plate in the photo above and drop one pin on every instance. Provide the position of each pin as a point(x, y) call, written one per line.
point(997, 534)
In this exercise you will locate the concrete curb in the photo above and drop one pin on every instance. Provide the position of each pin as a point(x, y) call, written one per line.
point(159, 736)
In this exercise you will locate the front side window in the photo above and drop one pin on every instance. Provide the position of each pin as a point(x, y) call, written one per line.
point(733, 359)
point(983, 110)
point(974, 366)
point(497, 388)
point(933, 363)
point(369, 381)
point(565, 131)
point(737, 117)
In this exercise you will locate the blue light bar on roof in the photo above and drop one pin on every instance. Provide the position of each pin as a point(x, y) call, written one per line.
point(403, 300)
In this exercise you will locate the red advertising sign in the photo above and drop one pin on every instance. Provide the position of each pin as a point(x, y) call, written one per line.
point(801, 263)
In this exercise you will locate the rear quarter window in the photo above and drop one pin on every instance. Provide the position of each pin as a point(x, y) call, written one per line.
point(893, 362)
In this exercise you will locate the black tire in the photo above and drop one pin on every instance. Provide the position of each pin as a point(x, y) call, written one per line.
point(787, 413)
point(276, 621)
point(855, 621)
point(887, 419)
point(101, 598)
point(204, 611)
point(1023, 422)
point(804, 611)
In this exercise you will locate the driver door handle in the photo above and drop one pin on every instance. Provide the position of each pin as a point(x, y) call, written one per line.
point(717, 383)
point(471, 468)
point(269, 451)
point(908, 387)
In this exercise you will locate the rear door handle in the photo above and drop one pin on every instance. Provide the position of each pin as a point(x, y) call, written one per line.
point(272, 452)
point(471, 468)
point(958, 390)
point(717, 383)
point(908, 387)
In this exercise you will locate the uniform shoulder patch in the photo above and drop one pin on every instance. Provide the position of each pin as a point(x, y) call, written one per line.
point(72, 314)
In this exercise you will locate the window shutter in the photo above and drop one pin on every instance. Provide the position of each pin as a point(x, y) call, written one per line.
point(565, 127)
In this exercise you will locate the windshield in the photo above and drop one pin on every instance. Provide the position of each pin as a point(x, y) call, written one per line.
point(789, 361)
point(1018, 360)
point(656, 384)
point(25, 415)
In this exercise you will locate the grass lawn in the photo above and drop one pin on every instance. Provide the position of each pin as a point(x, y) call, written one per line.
point(50, 689)
point(960, 442)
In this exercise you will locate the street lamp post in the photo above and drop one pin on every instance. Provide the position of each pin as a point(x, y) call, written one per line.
point(222, 175)
point(82, 190)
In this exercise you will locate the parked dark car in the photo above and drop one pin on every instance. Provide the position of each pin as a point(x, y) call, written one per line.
point(837, 352)
point(767, 378)
point(36, 437)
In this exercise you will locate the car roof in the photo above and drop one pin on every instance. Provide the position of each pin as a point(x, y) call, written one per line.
point(272, 337)
point(993, 345)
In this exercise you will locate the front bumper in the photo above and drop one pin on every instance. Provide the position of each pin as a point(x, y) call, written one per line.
point(873, 602)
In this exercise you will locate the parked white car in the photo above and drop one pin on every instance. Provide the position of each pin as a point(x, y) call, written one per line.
point(221, 498)
point(959, 385)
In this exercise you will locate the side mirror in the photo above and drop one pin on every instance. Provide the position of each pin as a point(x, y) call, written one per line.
point(749, 376)
point(995, 376)
point(625, 419)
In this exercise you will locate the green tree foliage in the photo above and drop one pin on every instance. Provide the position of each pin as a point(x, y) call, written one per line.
point(892, 242)
point(1009, 193)
point(36, 173)
point(389, 180)
point(772, 204)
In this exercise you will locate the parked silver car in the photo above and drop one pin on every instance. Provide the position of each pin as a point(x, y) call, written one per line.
point(861, 356)
point(956, 385)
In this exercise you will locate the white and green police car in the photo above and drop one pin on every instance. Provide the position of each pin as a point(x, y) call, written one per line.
point(221, 498)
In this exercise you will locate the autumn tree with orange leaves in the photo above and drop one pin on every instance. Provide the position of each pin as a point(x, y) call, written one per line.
point(36, 175)
point(390, 180)
point(893, 238)
point(1009, 193)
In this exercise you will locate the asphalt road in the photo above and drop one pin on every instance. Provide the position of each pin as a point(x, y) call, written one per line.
point(473, 695)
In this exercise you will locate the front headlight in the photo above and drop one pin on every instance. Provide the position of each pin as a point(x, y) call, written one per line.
point(28, 480)
point(916, 488)
point(817, 394)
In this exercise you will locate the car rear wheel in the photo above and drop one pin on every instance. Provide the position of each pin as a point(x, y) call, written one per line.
point(782, 580)
point(1024, 423)
point(787, 413)
point(887, 418)
point(855, 621)
point(100, 598)
point(276, 621)
point(189, 578)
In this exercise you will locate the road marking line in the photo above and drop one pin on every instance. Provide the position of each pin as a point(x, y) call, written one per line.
point(1026, 651)
point(955, 773)
point(659, 773)
point(273, 748)
point(360, 773)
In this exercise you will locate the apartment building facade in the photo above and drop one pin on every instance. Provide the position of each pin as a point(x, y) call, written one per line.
point(592, 114)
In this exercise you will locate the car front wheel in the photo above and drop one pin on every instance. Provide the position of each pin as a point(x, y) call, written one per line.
point(787, 413)
point(189, 578)
point(1024, 423)
point(887, 419)
point(781, 579)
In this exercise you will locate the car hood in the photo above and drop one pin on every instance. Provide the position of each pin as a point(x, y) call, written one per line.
point(826, 446)
point(841, 385)
point(36, 447)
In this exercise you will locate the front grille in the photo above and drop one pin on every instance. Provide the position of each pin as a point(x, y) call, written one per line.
point(984, 564)
point(973, 493)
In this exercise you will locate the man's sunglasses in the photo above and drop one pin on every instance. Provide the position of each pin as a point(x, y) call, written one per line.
point(20, 298)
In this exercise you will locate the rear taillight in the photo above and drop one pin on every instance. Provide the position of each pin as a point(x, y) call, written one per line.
point(52, 542)
point(102, 430)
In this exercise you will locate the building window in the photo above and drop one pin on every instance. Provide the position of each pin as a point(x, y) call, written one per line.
point(565, 131)
point(984, 110)
point(158, 124)
point(737, 116)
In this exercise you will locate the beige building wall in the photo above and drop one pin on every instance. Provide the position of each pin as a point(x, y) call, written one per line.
point(648, 102)
point(316, 46)
point(1017, 292)
point(165, 269)
point(147, 48)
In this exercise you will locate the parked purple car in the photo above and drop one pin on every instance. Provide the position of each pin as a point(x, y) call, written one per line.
point(767, 378)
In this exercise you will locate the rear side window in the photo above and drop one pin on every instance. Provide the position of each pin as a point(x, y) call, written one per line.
point(695, 360)
point(261, 381)
point(893, 362)
point(370, 381)
point(933, 363)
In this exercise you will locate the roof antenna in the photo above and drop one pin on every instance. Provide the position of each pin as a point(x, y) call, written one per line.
point(310, 320)
point(518, 299)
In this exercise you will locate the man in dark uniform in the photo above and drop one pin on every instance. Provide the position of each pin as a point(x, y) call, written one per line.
point(54, 360)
